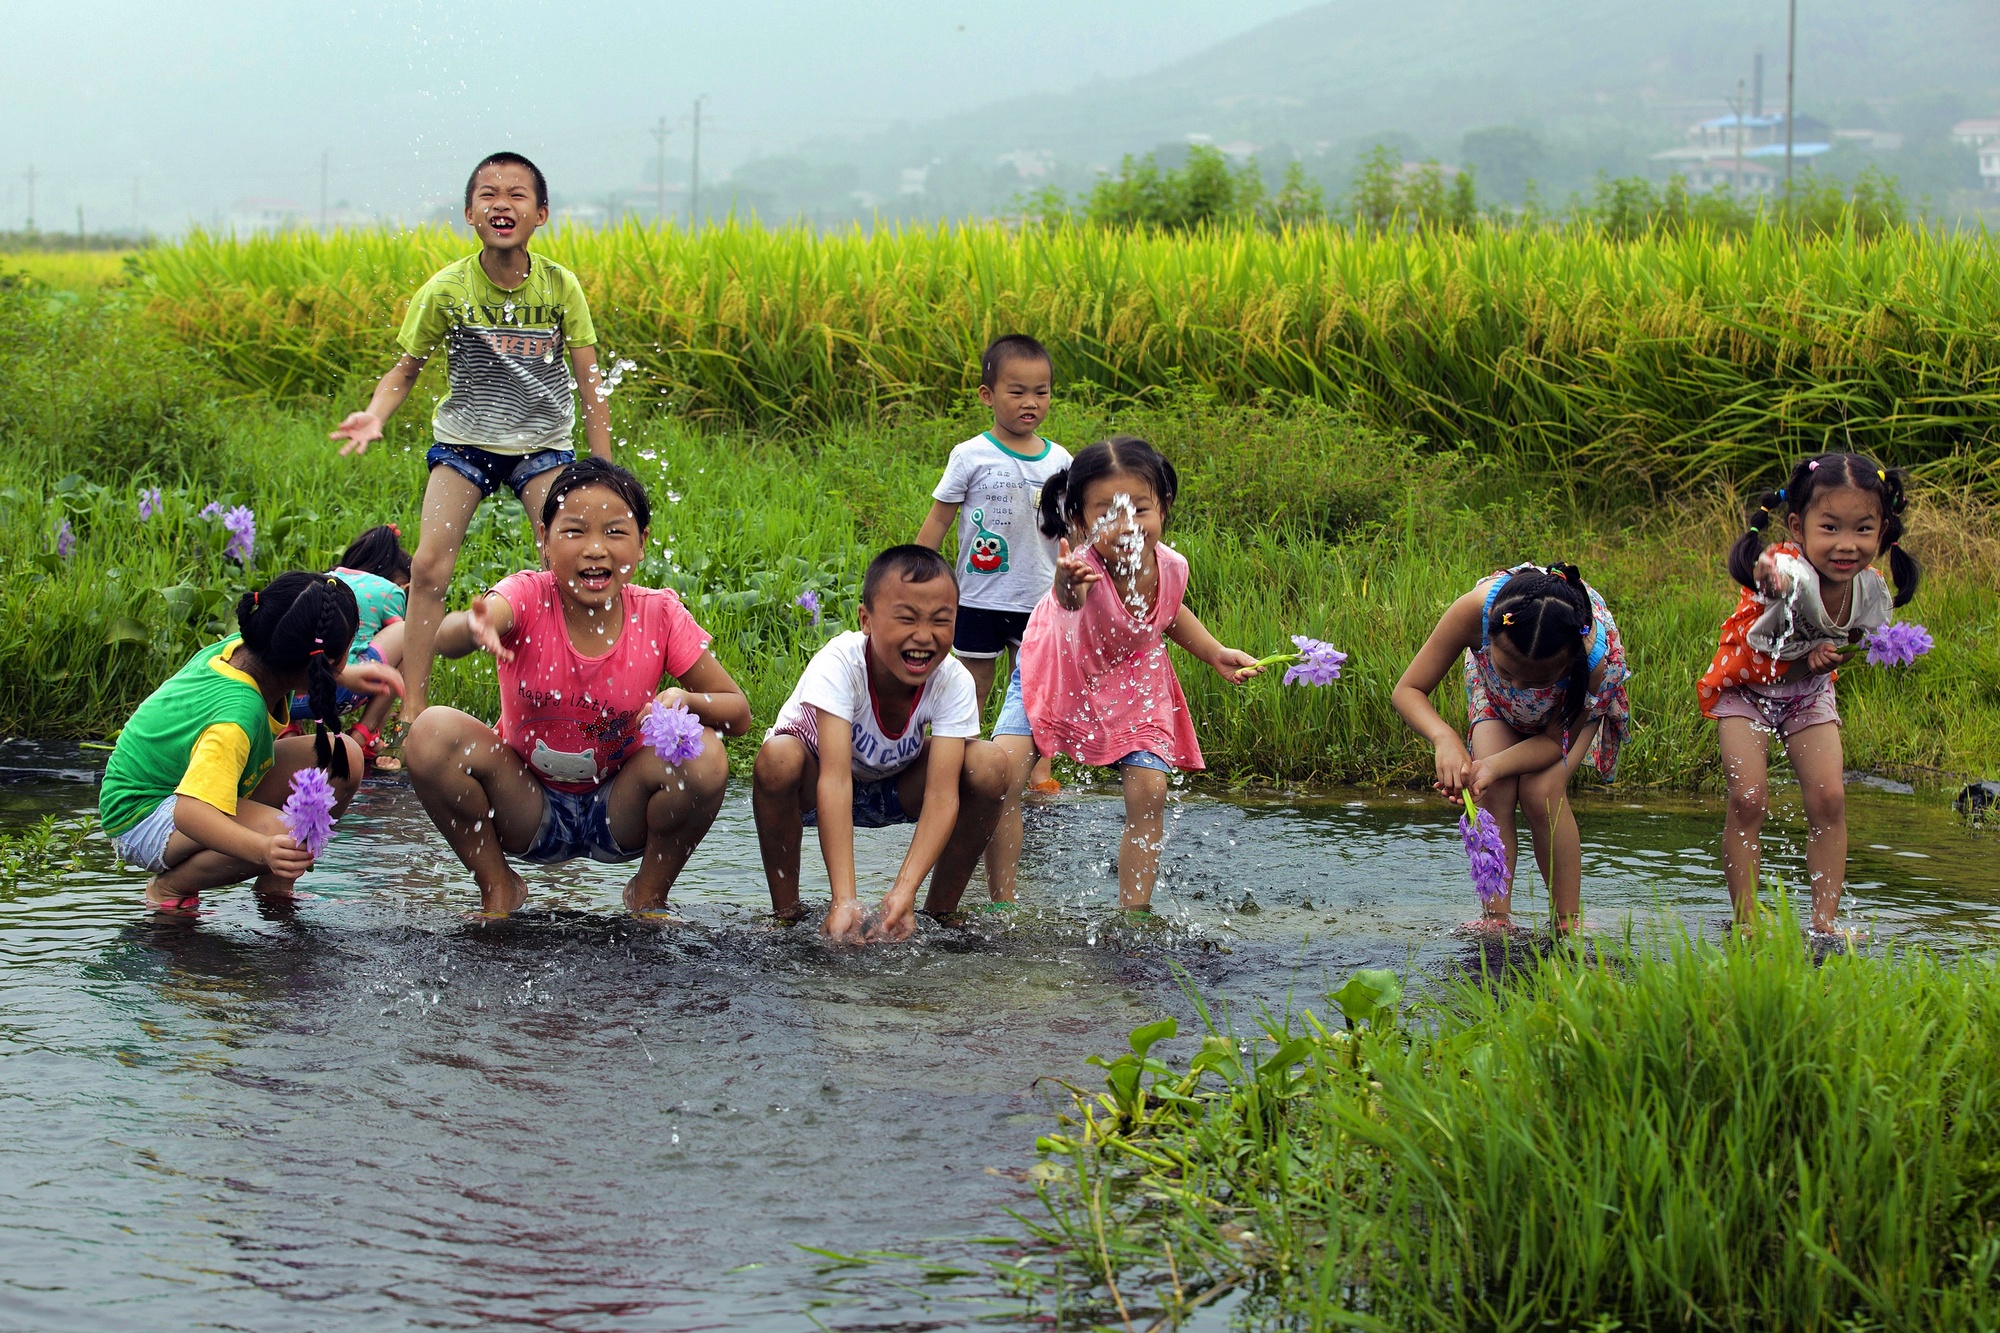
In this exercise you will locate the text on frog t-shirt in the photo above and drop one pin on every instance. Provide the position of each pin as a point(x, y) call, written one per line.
point(836, 680)
point(1004, 561)
point(574, 719)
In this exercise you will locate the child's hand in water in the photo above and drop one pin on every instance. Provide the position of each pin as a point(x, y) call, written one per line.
point(1073, 575)
point(897, 922)
point(844, 921)
point(479, 620)
point(1236, 666)
point(1771, 579)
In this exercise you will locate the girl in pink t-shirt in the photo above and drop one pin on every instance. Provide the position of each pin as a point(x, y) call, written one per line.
point(1094, 680)
point(580, 652)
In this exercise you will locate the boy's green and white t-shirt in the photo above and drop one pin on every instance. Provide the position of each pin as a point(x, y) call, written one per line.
point(1004, 561)
point(506, 354)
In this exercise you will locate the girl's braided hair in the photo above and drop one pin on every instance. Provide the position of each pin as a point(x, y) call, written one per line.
point(300, 620)
point(1544, 614)
point(1829, 472)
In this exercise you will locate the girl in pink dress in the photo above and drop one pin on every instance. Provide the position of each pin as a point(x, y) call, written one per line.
point(1094, 680)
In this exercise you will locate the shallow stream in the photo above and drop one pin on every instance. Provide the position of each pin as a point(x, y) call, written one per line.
point(374, 1114)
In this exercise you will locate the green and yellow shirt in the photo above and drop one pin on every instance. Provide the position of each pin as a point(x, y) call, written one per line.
point(205, 733)
point(506, 354)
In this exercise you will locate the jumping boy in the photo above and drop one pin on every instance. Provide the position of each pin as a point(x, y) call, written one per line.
point(850, 750)
point(993, 485)
point(507, 321)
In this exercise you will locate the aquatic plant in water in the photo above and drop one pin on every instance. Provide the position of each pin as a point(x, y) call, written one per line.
point(1897, 644)
point(1315, 662)
point(242, 525)
point(1486, 853)
point(308, 811)
point(809, 601)
point(149, 503)
point(674, 733)
point(213, 509)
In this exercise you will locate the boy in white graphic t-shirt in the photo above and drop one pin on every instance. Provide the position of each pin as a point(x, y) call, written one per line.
point(850, 750)
point(993, 486)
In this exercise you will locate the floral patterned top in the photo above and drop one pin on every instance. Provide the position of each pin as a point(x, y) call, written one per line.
point(1489, 697)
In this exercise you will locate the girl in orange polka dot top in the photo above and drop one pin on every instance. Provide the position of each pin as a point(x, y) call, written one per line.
point(1806, 603)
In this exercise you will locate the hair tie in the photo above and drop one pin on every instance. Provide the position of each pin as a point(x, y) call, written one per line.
point(398, 531)
point(1506, 617)
point(1813, 466)
point(317, 652)
point(1781, 497)
point(1880, 475)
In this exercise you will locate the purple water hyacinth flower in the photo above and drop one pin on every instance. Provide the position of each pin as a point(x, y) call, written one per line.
point(809, 600)
point(1319, 663)
point(674, 733)
point(65, 539)
point(242, 525)
point(1485, 852)
point(213, 509)
point(149, 503)
point(1897, 644)
point(308, 811)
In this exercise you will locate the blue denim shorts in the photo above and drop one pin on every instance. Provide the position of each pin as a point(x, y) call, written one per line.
point(877, 804)
point(576, 824)
point(144, 845)
point(488, 470)
point(1013, 721)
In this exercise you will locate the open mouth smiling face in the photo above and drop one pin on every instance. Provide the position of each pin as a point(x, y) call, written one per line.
point(909, 627)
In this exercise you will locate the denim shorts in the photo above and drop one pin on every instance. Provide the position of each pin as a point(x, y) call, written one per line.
point(144, 845)
point(877, 804)
point(488, 470)
point(576, 824)
point(1013, 721)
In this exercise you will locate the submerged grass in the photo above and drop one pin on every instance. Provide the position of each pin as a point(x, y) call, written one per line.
point(1627, 1137)
point(1654, 360)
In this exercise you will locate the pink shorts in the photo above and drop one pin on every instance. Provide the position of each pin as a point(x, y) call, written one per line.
point(1785, 710)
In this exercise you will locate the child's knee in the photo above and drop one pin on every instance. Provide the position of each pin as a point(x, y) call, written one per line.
point(707, 774)
point(430, 568)
point(1747, 804)
point(986, 770)
point(1826, 807)
point(433, 739)
point(1541, 794)
point(779, 766)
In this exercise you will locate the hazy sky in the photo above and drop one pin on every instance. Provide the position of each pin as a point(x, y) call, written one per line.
point(190, 107)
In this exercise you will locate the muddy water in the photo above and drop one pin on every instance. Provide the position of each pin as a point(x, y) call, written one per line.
point(372, 1114)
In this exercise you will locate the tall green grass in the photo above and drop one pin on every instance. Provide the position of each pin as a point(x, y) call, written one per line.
point(1651, 360)
point(1642, 1138)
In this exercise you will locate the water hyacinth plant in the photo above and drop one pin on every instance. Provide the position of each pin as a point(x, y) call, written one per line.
point(242, 525)
point(1899, 643)
point(149, 503)
point(213, 509)
point(1485, 852)
point(674, 733)
point(1315, 662)
point(308, 811)
point(809, 601)
point(65, 539)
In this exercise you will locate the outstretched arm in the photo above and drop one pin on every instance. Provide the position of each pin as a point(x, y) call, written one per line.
point(835, 801)
point(364, 427)
point(934, 825)
point(1232, 664)
point(479, 628)
point(1456, 631)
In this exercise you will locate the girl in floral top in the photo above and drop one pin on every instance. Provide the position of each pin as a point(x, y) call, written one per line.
point(1545, 692)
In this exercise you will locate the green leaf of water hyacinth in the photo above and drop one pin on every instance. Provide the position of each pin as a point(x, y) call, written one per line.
point(125, 630)
point(1142, 1038)
point(1370, 996)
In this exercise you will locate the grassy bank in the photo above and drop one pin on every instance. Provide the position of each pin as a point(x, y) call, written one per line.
point(1695, 1138)
point(1654, 359)
point(1302, 521)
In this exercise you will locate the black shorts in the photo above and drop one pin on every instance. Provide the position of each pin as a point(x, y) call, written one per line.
point(984, 634)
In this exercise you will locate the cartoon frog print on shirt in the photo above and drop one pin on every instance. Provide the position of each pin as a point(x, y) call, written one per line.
point(989, 549)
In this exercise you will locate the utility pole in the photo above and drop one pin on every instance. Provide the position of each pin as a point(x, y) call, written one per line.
point(660, 180)
point(1791, 64)
point(135, 208)
point(31, 198)
point(325, 157)
point(79, 224)
point(1736, 168)
point(694, 169)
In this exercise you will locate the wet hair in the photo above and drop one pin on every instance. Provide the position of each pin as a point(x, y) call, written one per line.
point(1062, 494)
point(909, 564)
point(1544, 614)
point(504, 159)
point(1009, 347)
point(591, 470)
point(379, 551)
point(1811, 478)
point(305, 620)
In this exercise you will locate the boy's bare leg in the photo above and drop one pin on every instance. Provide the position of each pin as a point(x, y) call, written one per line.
point(480, 795)
point(1746, 761)
point(982, 669)
point(784, 785)
point(534, 494)
point(1145, 832)
point(1003, 852)
point(670, 810)
point(449, 502)
point(1817, 759)
point(982, 791)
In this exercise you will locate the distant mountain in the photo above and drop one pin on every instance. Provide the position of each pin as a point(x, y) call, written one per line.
point(1626, 75)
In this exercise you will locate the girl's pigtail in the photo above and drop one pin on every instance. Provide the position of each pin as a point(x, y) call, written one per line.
point(1743, 555)
point(1053, 522)
point(331, 634)
point(1903, 569)
point(1577, 599)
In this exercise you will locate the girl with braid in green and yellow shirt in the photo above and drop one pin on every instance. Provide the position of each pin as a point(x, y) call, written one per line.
point(194, 786)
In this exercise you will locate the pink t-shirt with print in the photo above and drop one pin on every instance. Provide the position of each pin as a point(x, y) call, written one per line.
point(574, 719)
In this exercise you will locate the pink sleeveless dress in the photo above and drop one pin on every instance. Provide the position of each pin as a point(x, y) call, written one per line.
point(1097, 682)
